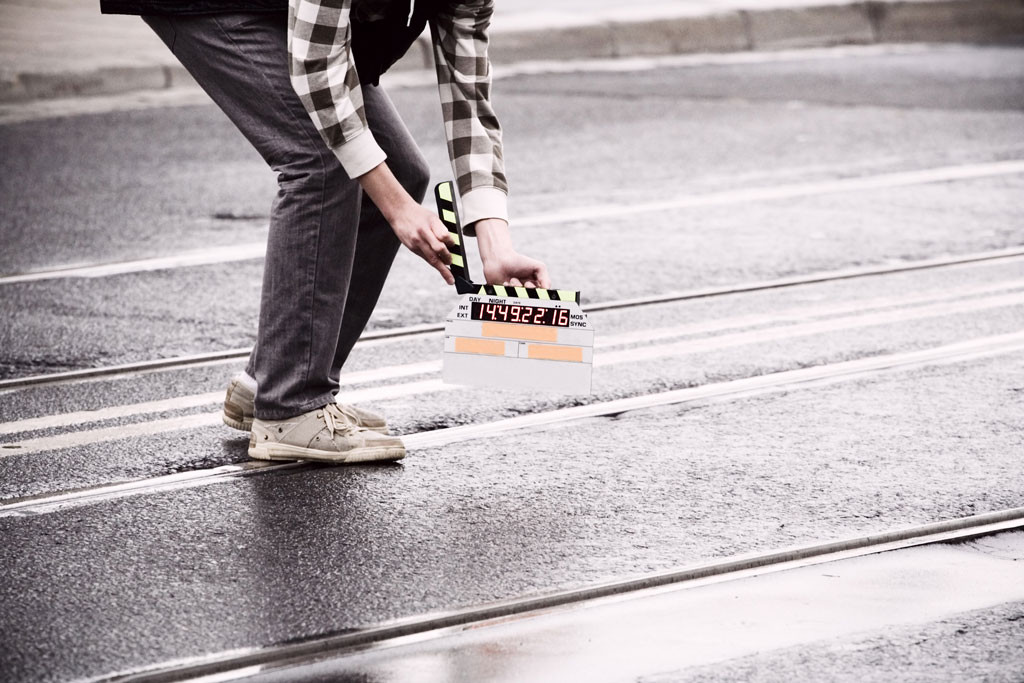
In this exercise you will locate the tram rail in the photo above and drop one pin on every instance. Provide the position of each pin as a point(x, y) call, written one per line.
point(247, 662)
point(729, 390)
point(724, 333)
point(425, 329)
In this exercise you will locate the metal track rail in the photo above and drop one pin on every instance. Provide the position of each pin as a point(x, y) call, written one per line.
point(422, 330)
point(248, 662)
point(720, 391)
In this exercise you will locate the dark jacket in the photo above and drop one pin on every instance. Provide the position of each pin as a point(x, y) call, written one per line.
point(190, 6)
point(382, 31)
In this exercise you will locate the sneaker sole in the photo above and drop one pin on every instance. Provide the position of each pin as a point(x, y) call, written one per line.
point(291, 453)
point(242, 425)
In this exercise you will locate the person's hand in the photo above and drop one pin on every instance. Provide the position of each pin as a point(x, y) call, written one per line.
point(512, 268)
point(503, 265)
point(416, 227)
point(425, 235)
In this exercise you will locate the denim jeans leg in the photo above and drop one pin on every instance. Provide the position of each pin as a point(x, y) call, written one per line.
point(376, 244)
point(241, 61)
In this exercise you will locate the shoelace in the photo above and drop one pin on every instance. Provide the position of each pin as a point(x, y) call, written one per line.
point(336, 420)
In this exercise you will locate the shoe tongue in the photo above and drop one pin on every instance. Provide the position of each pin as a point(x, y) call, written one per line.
point(348, 411)
point(339, 420)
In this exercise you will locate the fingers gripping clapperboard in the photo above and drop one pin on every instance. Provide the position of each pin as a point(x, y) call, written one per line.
point(512, 337)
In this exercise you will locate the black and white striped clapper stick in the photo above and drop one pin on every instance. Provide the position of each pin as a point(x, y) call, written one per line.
point(444, 193)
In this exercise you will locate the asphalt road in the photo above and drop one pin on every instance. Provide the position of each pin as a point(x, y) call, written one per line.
point(135, 581)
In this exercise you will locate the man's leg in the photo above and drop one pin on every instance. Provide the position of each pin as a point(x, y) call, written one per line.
point(377, 245)
point(241, 62)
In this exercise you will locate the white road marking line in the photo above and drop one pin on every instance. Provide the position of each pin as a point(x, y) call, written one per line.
point(785, 317)
point(178, 480)
point(110, 413)
point(982, 347)
point(831, 309)
point(997, 257)
point(416, 79)
point(394, 335)
point(105, 434)
point(666, 585)
point(196, 421)
point(760, 336)
point(689, 347)
point(882, 181)
point(187, 259)
point(677, 629)
point(250, 251)
point(976, 348)
point(192, 401)
point(189, 96)
point(36, 110)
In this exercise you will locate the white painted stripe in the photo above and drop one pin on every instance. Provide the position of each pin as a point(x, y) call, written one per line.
point(883, 181)
point(413, 79)
point(982, 347)
point(105, 434)
point(785, 317)
point(212, 255)
point(761, 336)
point(189, 96)
point(177, 481)
point(185, 402)
point(896, 267)
point(243, 252)
point(173, 424)
point(689, 347)
point(700, 624)
point(381, 337)
point(390, 372)
point(110, 413)
point(976, 348)
point(392, 391)
point(797, 314)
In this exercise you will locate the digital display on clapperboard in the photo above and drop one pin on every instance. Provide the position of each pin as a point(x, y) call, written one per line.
point(518, 313)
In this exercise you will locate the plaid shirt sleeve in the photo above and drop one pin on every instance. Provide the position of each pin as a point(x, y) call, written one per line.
point(474, 137)
point(324, 76)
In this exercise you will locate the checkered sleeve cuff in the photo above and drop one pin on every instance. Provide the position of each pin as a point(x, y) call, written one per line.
point(359, 154)
point(483, 202)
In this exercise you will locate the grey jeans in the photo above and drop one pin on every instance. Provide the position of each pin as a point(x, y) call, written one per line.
point(329, 250)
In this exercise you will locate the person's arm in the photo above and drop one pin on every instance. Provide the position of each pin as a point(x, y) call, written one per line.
point(417, 228)
point(474, 140)
point(324, 76)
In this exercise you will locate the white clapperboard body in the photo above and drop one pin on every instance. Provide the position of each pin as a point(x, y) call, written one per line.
point(512, 337)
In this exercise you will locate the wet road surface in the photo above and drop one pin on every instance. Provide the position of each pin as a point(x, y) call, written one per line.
point(97, 587)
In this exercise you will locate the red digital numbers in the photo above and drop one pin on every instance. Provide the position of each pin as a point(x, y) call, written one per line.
point(515, 313)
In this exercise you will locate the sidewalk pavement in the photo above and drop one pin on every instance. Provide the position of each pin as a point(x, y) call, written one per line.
point(66, 48)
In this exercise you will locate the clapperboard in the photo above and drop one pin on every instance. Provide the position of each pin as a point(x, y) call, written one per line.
point(512, 337)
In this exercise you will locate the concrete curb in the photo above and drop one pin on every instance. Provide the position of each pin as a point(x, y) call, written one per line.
point(26, 87)
point(854, 23)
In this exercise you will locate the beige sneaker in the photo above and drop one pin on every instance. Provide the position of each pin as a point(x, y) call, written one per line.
point(324, 434)
point(239, 401)
point(238, 406)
